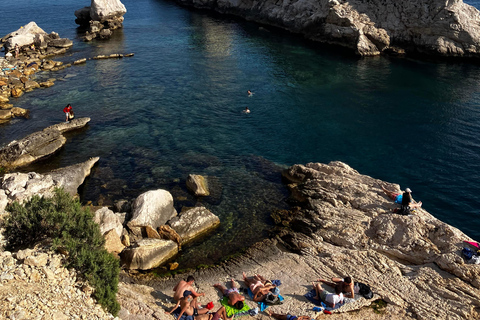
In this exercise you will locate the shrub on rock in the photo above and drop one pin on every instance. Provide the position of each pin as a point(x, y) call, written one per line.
point(71, 227)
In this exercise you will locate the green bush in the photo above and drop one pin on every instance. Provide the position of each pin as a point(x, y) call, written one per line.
point(71, 227)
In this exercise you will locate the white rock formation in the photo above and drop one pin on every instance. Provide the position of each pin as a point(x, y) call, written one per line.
point(153, 208)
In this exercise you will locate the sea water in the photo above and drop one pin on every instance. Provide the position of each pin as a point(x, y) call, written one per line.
point(175, 108)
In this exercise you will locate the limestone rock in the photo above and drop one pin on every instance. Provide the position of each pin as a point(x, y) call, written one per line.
point(432, 27)
point(19, 112)
point(166, 232)
point(72, 177)
point(152, 233)
point(198, 185)
point(147, 254)
point(102, 10)
point(37, 145)
point(5, 114)
point(153, 208)
point(193, 223)
point(107, 220)
point(112, 242)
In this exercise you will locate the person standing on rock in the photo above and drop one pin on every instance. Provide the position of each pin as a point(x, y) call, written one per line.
point(184, 288)
point(68, 110)
point(235, 299)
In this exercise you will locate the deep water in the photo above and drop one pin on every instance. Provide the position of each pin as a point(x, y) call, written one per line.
point(176, 108)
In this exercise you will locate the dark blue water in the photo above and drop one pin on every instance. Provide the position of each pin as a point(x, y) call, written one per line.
point(176, 108)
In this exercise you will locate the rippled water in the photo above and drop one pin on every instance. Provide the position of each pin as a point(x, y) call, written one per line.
point(176, 108)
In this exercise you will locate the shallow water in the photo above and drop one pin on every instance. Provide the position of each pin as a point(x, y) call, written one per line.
point(175, 108)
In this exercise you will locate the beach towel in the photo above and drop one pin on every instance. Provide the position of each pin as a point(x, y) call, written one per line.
point(309, 295)
point(262, 305)
point(230, 310)
point(473, 243)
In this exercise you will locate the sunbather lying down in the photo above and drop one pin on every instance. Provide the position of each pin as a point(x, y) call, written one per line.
point(221, 313)
point(259, 286)
point(285, 316)
point(234, 297)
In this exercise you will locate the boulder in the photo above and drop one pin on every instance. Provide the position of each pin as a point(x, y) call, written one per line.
point(193, 223)
point(107, 220)
point(83, 16)
point(38, 144)
point(5, 114)
point(198, 185)
point(166, 232)
point(102, 10)
point(23, 36)
point(152, 233)
point(60, 43)
point(153, 208)
point(112, 242)
point(147, 254)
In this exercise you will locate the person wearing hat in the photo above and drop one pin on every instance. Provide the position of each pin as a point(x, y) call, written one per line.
point(407, 200)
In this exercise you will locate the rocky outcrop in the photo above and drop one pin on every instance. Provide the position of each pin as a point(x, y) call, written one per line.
point(446, 28)
point(34, 282)
point(101, 18)
point(22, 186)
point(30, 34)
point(108, 220)
point(193, 223)
point(37, 145)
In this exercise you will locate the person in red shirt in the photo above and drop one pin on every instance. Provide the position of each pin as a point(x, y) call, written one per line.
point(68, 110)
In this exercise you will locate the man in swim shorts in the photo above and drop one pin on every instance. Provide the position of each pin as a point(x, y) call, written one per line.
point(235, 299)
point(185, 287)
point(220, 313)
point(185, 306)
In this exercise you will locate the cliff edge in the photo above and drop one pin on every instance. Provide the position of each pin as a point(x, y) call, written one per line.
point(445, 28)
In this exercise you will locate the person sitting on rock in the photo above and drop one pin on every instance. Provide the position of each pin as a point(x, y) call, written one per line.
point(185, 288)
point(235, 299)
point(285, 316)
point(220, 313)
point(346, 285)
point(404, 199)
point(190, 308)
point(259, 286)
point(330, 299)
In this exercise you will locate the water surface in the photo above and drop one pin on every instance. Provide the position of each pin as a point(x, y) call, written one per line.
point(175, 108)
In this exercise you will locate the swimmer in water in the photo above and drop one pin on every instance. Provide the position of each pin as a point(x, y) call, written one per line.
point(250, 93)
point(246, 110)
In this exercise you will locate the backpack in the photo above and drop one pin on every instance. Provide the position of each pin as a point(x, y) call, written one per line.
point(365, 290)
point(404, 210)
point(468, 253)
point(272, 299)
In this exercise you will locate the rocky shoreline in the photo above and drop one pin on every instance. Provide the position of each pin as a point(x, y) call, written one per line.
point(341, 223)
point(369, 28)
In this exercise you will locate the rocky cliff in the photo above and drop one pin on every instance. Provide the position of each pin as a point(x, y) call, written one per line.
point(447, 28)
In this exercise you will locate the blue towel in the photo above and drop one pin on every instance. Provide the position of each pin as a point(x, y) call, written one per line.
point(262, 305)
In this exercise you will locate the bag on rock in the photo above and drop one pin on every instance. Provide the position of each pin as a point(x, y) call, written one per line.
point(468, 253)
point(365, 290)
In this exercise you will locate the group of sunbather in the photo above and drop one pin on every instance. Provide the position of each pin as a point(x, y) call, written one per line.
point(260, 288)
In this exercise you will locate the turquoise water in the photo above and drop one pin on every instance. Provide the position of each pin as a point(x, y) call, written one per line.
point(176, 108)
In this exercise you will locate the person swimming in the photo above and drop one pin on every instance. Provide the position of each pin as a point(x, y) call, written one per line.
point(250, 93)
point(246, 110)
